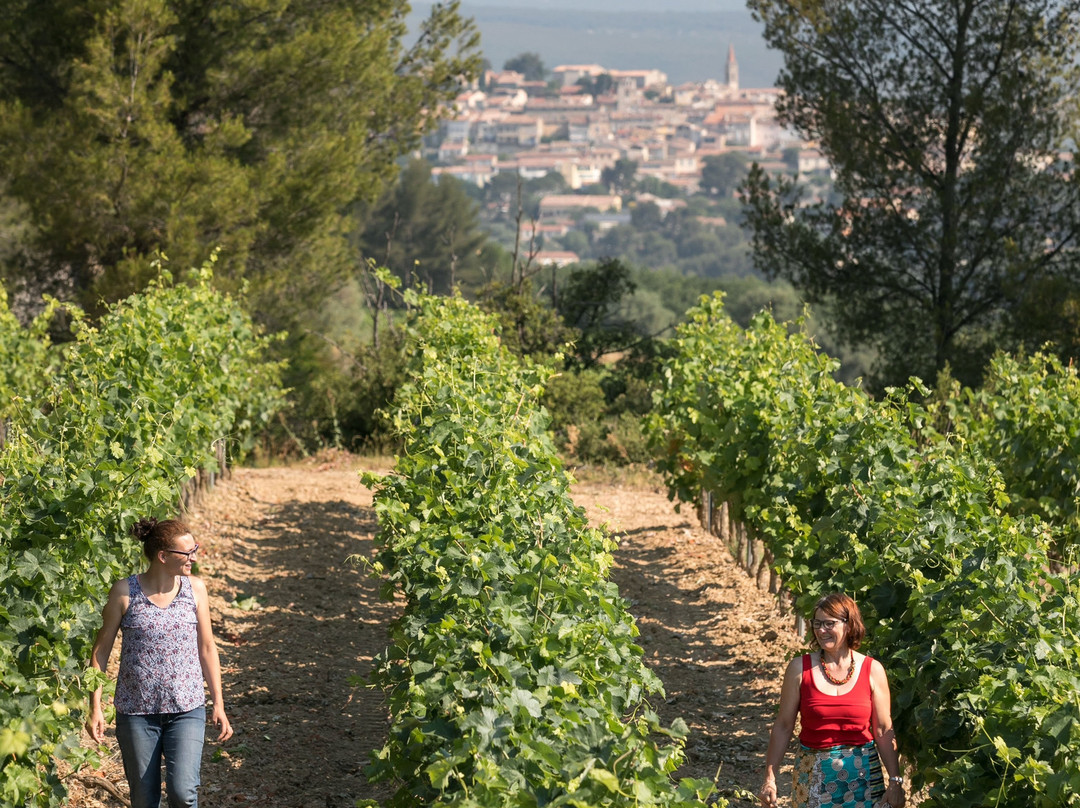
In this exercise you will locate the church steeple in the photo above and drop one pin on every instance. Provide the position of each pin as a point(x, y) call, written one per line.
point(731, 72)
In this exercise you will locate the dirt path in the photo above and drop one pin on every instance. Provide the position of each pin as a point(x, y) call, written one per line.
point(283, 536)
point(717, 642)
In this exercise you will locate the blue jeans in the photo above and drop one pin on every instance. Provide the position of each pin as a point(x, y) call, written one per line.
point(146, 739)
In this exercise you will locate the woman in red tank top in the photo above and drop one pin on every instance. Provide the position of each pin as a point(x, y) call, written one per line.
point(842, 700)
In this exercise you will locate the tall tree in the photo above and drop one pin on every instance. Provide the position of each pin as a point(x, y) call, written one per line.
point(721, 173)
point(598, 85)
point(425, 231)
point(129, 126)
point(589, 301)
point(528, 64)
point(946, 122)
point(619, 178)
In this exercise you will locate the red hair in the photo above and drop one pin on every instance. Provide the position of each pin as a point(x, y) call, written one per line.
point(840, 607)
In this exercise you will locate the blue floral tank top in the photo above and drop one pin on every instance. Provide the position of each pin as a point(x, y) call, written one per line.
point(159, 657)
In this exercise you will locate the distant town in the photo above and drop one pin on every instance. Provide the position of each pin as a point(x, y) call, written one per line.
point(587, 118)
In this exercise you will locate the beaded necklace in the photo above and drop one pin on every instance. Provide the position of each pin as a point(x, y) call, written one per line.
point(837, 682)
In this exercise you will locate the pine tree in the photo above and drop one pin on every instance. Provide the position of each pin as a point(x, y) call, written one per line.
point(948, 125)
point(425, 232)
point(131, 126)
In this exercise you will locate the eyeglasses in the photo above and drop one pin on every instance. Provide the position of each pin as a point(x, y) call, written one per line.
point(188, 553)
point(828, 625)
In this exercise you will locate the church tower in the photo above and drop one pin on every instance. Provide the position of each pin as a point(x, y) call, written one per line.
point(731, 72)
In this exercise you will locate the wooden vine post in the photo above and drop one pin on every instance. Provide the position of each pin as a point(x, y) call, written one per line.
point(748, 550)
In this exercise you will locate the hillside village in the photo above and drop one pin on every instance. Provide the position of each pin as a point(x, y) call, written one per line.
point(532, 129)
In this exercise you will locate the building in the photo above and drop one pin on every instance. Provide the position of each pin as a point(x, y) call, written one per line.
point(664, 205)
point(669, 169)
point(534, 231)
point(569, 74)
point(472, 174)
point(503, 78)
point(452, 151)
point(606, 221)
point(812, 161)
point(459, 128)
point(559, 258)
point(508, 98)
point(591, 129)
point(519, 130)
point(560, 206)
point(641, 79)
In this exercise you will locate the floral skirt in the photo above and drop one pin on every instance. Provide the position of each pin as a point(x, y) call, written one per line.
point(841, 777)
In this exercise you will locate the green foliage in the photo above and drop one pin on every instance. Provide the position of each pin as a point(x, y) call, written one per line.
point(1026, 420)
point(646, 216)
point(597, 413)
point(592, 415)
point(345, 365)
point(341, 390)
point(528, 64)
point(345, 357)
point(619, 178)
point(722, 173)
point(1046, 310)
point(24, 359)
point(578, 407)
point(744, 297)
point(596, 85)
point(135, 408)
point(130, 126)
point(575, 398)
point(589, 301)
point(658, 187)
point(980, 637)
point(424, 232)
point(529, 328)
point(514, 678)
point(949, 126)
point(508, 192)
point(679, 240)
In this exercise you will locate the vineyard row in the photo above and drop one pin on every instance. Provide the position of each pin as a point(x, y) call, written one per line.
point(951, 523)
point(514, 678)
point(100, 432)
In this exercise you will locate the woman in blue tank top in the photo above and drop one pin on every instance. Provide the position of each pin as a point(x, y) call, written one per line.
point(167, 653)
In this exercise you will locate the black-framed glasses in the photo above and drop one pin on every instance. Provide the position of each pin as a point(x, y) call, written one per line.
point(818, 625)
point(189, 553)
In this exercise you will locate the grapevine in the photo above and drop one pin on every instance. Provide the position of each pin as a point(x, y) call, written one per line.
point(978, 634)
point(514, 677)
point(131, 410)
point(1026, 420)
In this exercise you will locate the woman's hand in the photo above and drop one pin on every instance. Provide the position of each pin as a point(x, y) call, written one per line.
point(767, 795)
point(895, 796)
point(95, 725)
point(221, 721)
point(782, 730)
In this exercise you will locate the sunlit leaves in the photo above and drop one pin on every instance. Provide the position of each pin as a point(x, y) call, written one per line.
point(978, 632)
point(514, 677)
point(105, 432)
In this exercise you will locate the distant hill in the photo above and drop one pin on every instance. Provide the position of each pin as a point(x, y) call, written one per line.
point(689, 42)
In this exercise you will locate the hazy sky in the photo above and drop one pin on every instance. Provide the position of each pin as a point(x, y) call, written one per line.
point(617, 6)
point(687, 39)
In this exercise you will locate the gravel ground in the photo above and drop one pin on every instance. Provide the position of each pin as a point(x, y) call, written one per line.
point(294, 619)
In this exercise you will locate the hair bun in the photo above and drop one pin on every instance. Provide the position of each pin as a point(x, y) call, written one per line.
point(144, 528)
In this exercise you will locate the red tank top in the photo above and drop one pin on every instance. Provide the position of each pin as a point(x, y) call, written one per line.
point(835, 720)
